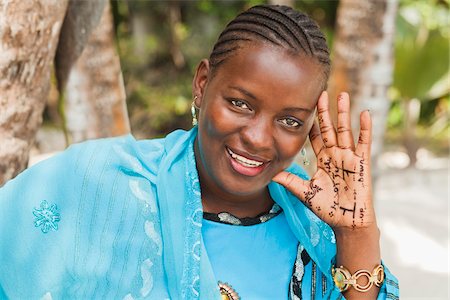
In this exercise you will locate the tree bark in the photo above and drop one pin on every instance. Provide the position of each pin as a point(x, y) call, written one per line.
point(175, 38)
point(412, 113)
point(29, 33)
point(282, 2)
point(140, 28)
point(95, 94)
point(81, 19)
point(363, 61)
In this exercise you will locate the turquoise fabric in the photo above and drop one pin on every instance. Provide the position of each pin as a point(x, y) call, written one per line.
point(255, 260)
point(122, 219)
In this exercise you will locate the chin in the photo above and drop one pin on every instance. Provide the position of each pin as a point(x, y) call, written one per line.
point(240, 185)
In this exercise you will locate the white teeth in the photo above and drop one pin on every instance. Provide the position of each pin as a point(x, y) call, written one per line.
point(244, 161)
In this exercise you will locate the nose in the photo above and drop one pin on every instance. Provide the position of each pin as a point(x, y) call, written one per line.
point(257, 135)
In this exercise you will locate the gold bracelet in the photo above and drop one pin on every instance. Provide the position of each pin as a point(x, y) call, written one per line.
point(343, 279)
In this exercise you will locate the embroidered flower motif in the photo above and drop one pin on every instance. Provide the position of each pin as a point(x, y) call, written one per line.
point(47, 217)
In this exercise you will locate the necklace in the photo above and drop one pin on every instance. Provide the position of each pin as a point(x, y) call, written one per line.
point(228, 218)
point(227, 292)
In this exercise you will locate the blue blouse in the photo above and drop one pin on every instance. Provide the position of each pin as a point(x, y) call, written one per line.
point(255, 260)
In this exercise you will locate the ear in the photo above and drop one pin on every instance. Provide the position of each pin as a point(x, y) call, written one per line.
point(200, 81)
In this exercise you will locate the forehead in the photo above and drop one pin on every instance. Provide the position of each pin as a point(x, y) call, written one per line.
point(272, 71)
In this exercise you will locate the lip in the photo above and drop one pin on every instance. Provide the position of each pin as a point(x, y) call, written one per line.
point(248, 156)
point(244, 170)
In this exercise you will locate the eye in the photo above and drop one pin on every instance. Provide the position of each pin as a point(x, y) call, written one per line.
point(240, 104)
point(291, 123)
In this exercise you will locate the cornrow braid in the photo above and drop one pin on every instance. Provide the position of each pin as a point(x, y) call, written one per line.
point(275, 24)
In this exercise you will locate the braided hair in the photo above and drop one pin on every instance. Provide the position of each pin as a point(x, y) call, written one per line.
point(278, 25)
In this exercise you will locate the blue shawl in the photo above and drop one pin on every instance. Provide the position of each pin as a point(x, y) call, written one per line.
point(120, 218)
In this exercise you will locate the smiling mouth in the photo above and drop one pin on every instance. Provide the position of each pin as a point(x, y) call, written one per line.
point(249, 163)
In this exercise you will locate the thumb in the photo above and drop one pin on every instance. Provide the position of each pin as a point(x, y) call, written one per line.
point(292, 183)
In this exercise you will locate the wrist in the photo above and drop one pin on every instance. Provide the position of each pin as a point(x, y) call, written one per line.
point(348, 233)
point(359, 248)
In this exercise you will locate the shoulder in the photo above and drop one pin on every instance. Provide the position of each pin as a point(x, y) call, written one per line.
point(72, 205)
point(76, 177)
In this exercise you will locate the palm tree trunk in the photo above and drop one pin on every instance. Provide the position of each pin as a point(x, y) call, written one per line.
point(29, 34)
point(174, 15)
point(95, 94)
point(282, 2)
point(363, 61)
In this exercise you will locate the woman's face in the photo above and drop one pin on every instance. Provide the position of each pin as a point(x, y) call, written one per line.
point(255, 115)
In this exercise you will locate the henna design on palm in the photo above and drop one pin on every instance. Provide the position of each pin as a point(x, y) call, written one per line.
point(340, 192)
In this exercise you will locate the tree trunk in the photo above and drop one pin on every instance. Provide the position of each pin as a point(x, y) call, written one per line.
point(29, 33)
point(412, 114)
point(81, 19)
point(363, 61)
point(175, 35)
point(140, 28)
point(282, 2)
point(95, 94)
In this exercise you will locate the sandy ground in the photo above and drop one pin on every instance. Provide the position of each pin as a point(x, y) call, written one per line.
point(413, 215)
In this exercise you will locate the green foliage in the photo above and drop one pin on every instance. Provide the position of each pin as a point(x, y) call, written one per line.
point(157, 110)
point(159, 94)
point(396, 115)
point(422, 69)
point(422, 49)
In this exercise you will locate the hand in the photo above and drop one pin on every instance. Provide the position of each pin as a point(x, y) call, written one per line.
point(340, 192)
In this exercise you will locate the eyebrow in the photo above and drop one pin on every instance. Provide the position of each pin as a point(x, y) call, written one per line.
point(289, 109)
point(295, 109)
point(245, 92)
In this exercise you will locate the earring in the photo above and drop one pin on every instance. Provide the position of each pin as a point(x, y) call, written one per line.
point(194, 112)
point(305, 159)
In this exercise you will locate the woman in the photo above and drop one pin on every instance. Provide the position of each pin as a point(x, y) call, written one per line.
point(218, 210)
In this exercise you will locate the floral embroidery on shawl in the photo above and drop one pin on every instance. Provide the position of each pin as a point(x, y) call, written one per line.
point(46, 217)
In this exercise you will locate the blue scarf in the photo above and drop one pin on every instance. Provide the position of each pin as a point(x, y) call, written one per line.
point(122, 218)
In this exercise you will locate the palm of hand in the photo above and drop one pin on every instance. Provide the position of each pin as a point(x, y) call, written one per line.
point(340, 192)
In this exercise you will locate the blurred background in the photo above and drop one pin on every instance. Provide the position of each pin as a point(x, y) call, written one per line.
point(125, 66)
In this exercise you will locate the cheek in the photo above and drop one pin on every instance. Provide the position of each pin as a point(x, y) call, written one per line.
point(289, 146)
point(217, 121)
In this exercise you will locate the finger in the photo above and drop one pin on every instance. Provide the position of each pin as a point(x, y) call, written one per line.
point(316, 139)
point(292, 183)
point(325, 123)
point(365, 135)
point(344, 127)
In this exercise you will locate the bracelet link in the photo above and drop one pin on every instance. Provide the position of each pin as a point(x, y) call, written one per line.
point(343, 279)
